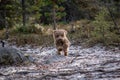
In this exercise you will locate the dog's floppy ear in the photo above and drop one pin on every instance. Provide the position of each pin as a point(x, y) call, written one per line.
point(54, 31)
point(65, 31)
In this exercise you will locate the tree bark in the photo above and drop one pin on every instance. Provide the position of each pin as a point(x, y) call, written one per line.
point(54, 15)
point(6, 25)
point(23, 12)
point(54, 18)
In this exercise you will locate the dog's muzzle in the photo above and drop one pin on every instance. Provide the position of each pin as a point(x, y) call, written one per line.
point(60, 42)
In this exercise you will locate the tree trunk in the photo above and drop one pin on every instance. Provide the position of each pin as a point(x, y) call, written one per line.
point(6, 25)
point(54, 18)
point(23, 12)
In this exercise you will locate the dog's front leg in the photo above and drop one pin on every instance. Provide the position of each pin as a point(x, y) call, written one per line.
point(66, 50)
point(65, 53)
point(59, 51)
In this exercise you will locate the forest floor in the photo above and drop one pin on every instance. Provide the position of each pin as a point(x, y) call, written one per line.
point(94, 63)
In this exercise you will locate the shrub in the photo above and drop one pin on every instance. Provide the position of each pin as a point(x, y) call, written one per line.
point(29, 28)
point(101, 32)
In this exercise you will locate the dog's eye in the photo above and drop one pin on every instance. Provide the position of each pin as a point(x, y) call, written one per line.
point(62, 35)
point(57, 36)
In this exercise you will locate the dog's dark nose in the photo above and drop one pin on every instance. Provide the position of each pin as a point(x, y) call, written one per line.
point(60, 49)
point(60, 39)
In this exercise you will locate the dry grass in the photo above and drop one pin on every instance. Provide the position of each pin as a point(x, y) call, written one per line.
point(82, 34)
point(32, 39)
point(45, 37)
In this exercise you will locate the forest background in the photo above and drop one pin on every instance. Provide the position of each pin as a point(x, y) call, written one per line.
point(88, 22)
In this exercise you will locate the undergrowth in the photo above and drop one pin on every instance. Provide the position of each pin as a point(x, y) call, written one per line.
point(86, 33)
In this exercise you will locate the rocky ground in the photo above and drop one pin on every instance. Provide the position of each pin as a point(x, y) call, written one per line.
point(95, 63)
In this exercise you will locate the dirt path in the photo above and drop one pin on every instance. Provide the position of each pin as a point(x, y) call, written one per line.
point(95, 63)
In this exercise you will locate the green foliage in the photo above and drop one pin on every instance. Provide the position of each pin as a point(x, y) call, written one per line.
point(46, 11)
point(101, 32)
point(29, 28)
point(41, 11)
point(101, 24)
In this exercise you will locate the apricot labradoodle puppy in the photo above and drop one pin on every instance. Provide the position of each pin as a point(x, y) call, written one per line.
point(61, 41)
